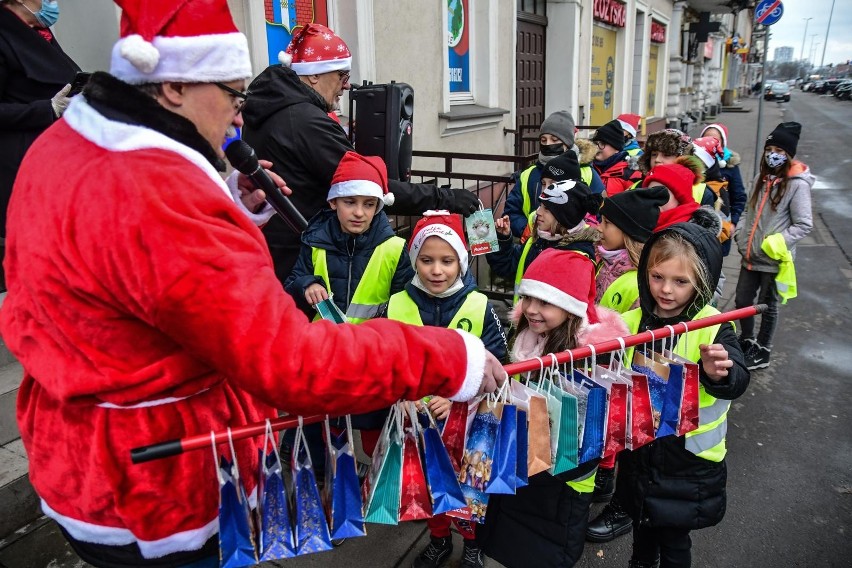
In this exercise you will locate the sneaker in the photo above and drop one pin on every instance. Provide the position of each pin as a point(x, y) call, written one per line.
point(641, 564)
point(604, 485)
point(757, 357)
point(746, 343)
point(436, 554)
point(472, 556)
point(612, 522)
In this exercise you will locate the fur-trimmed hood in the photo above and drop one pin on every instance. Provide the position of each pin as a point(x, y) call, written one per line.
point(732, 160)
point(586, 151)
point(610, 326)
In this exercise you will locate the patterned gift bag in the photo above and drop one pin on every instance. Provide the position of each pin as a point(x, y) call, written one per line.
point(311, 532)
point(478, 458)
point(236, 542)
point(275, 528)
point(538, 426)
point(441, 478)
point(414, 503)
point(342, 492)
point(666, 394)
point(591, 410)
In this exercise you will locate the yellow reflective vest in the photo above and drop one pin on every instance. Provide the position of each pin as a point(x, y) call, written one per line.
point(469, 317)
point(708, 441)
point(373, 290)
point(585, 175)
point(775, 248)
point(622, 293)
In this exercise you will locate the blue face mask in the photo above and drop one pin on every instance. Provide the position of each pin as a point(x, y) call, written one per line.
point(48, 15)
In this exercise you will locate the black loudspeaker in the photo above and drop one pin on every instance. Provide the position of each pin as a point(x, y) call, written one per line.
point(384, 118)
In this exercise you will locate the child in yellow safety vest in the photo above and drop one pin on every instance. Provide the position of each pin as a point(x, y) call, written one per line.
point(676, 484)
point(780, 204)
point(544, 523)
point(443, 293)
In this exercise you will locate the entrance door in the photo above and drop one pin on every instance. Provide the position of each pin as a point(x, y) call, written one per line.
point(529, 82)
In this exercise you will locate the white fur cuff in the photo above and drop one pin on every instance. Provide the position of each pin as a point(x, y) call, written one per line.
point(258, 219)
point(475, 367)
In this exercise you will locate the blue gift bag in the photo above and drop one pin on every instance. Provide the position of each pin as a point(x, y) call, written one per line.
point(311, 532)
point(236, 546)
point(592, 404)
point(441, 479)
point(521, 472)
point(275, 530)
point(505, 465)
point(666, 386)
point(342, 491)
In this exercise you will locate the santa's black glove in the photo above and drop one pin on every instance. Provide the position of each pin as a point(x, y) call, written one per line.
point(458, 200)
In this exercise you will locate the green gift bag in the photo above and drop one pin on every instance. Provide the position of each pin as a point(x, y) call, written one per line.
point(383, 486)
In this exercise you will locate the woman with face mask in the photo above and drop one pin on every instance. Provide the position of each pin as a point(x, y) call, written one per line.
point(777, 216)
point(35, 77)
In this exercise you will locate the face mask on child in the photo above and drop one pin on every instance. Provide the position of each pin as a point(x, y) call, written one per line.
point(774, 159)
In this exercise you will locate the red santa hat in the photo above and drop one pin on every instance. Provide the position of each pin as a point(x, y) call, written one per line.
point(723, 130)
point(188, 41)
point(708, 150)
point(315, 49)
point(565, 279)
point(366, 176)
point(630, 123)
point(444, 225)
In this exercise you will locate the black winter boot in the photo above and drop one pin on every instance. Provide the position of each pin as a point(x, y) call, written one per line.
point(641, 564)
point(472, 556)
point(604, 485)
point(612, 522)
point(436, 554)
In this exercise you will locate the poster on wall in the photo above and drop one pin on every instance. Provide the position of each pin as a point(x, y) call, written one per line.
point(284, 16)
point(602, 76)
point(458, 44)
point(653, 57)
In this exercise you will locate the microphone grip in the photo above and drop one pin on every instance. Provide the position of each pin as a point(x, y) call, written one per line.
point(283, 206)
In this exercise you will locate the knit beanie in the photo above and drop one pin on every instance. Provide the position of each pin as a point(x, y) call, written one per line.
point(560, 124)
point(562, 167)
point(444, 225)
point(635, 212)
point(569, 201)
point(785, 136)
point(565, 279)
point(671, 141)
point(610, 133)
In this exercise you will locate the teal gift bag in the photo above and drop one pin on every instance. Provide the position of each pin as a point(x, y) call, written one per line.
point(383, 486)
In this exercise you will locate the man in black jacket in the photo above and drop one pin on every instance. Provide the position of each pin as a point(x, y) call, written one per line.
point(287, 122)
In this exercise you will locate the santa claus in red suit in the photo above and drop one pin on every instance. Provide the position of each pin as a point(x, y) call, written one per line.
point(144, 307)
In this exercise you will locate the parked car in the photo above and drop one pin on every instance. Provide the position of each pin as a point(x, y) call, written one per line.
point(827, 87)
point(844, 91)
point(806, 86)
point(817, 86)
point(778, 92)
point(767, 85)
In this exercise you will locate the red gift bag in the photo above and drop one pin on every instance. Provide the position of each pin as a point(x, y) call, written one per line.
point(688, 419)
point(454, 433)
point(616, 422)
point(414, 503)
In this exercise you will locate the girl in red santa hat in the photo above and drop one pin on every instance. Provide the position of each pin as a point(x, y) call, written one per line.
point(544, 524)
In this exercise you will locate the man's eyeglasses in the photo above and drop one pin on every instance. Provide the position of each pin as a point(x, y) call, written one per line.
point(239, 95)
point(344, 76)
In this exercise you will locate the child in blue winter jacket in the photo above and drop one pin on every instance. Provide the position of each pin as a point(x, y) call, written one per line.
point(350, 252)
point(443, 293)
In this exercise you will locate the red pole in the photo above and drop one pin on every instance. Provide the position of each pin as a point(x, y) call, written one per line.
point(175, 447)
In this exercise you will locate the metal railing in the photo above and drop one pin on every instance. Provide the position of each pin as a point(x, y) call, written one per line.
point(492, 189)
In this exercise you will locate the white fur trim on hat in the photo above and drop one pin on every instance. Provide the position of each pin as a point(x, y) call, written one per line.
point(553, 295)
point(187, 59)
point(320, 67)
point(444, 232)
point(357, 187)
point(628, 127)
point(719, 129)
point(703, 155)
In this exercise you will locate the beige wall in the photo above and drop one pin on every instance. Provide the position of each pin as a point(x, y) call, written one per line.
point(87, 30)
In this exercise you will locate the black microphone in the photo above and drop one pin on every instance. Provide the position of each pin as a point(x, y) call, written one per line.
point(243, 158)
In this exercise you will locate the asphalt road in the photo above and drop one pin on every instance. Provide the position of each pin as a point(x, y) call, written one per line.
point(790, 449)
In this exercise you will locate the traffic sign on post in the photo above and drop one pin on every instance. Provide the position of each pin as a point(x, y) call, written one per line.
point(768, 12)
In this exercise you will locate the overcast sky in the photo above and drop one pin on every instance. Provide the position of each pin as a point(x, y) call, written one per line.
point(790, 30)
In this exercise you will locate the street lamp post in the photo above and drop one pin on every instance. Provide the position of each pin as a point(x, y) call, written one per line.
point(811, 50)
point(824, 45)
point(804, 36)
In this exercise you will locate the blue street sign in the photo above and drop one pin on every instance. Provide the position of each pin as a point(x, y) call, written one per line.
point(768, 12)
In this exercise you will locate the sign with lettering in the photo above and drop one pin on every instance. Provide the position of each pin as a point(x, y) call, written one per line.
point(603, 75)
point(610, 11)
point(653, 69)
point(458, 44)
point(658, 32)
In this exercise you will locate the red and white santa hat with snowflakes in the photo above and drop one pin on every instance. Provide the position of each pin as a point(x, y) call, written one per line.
point(708, 150)
point(315, 49)
point(444, 225)
point(565, 279)
point(186, 41)
point(358, 175)
point(629, 123)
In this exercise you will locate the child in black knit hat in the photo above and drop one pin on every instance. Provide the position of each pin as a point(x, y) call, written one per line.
point(777, 215)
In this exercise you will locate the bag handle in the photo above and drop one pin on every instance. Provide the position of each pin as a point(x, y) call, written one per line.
point(297, 449)
point(216, 458)
point(269, 435)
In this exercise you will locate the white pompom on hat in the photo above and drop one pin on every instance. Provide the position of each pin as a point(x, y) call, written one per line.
point(315, 49)
point(186, 41)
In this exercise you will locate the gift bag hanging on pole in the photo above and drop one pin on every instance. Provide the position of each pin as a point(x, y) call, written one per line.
point(538, 426)
point(275, 526)
point(640, 411)
point(591, 407)
point(311, 532)
point(567, 450)
point(504, 468)
point(521, 470)
point(441, 478)
point(454, 432)
point(478, 460)
point(342, 490)
point(665, 394)
point(554, 412)
point(689, 405)
point(383, 484)
point(236, 542)
point(414, 502)
point(616, 421)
